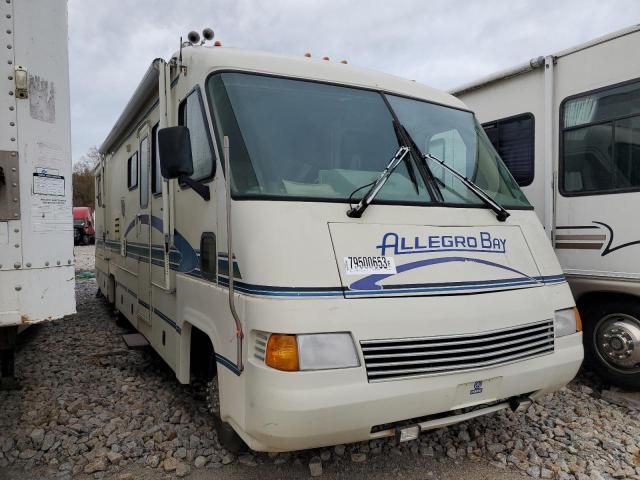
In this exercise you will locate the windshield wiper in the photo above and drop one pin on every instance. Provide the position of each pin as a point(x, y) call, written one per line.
point(501, 213)
point(358, 210)
point(427, 176)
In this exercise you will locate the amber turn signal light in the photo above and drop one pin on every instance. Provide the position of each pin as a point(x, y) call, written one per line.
point(578, 319)
point(282, 353)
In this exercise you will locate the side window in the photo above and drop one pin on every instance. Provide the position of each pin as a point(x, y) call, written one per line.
point(99, 190)
point(132, 171)
point(208, 256)
point(600, 141)
point(156, 182)
point(144, 172)
point(191, 114)
point(513, 139)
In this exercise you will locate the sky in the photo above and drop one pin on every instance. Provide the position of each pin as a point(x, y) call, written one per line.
point(441, 43)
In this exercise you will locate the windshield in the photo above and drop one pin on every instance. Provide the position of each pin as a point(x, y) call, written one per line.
point(304, 140)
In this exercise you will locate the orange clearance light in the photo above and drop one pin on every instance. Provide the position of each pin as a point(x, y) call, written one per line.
point(344, 61)
point(282, 353)
point(325, 58)
point(308, 55)
point(217, 43)
point(578, 319)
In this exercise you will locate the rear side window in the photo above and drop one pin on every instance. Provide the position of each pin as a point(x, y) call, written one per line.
point(132, 171)
point(191, 115)
point(600, 141)
point(513, 139)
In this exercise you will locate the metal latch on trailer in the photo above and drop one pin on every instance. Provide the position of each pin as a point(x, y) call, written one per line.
point(9, 186)
point(22, 82)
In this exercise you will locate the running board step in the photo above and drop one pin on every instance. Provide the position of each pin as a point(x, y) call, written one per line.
point(135, 341)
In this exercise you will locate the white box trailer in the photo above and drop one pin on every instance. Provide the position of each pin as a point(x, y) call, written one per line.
point(225, 235)
point(36, 227)
point(568, 127)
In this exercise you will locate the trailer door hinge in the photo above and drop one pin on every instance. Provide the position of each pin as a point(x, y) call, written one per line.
point(22, 82)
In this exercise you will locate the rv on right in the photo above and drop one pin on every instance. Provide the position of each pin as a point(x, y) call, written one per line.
point(568, 127)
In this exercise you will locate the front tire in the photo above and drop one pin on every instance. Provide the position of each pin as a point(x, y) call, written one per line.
point(227, 436)
point(612, 341)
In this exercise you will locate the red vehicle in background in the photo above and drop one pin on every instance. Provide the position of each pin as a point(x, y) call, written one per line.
point(83, 230)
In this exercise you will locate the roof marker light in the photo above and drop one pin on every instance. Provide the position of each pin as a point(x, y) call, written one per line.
point(217, 43)
point(343, 62)
point(308, 55)
point(325, 58)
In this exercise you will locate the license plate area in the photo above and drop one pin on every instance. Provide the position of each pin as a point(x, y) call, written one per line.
point(478, 391)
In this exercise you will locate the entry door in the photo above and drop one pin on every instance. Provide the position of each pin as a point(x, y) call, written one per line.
point(144, 226)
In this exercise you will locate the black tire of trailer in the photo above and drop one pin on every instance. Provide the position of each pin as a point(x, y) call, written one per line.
point(86, 240)
point(227, 436)
point(593, 314)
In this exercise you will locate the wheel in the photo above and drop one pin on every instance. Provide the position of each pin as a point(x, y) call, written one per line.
point(227, 436)
point(85, 240)
point(612, 341)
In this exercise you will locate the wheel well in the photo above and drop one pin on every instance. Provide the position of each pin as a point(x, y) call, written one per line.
point(202, 361)
point(594, 298)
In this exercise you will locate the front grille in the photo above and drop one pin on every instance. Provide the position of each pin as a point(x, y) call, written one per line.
point(410, 357)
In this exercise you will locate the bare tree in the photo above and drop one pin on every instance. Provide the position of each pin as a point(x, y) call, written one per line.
point(83, 179)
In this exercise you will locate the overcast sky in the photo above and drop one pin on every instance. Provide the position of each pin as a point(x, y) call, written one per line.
point(442, 43)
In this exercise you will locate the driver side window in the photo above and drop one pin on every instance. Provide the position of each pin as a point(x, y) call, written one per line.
point(191, 115)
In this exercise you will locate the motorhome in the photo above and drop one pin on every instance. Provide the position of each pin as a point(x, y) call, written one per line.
point(36, 227)
point(568, 127)
point(284, 227)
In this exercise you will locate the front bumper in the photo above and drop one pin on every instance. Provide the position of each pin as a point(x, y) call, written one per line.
point(294, 411)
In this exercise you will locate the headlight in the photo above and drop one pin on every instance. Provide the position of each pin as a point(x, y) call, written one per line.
point(327, 350)
point(566, 322)
point(319, 351)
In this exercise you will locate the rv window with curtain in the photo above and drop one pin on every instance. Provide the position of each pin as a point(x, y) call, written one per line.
point(191, 115)
point(600, 141)
point(132, 171)
point(144, 172)
point(513, 139)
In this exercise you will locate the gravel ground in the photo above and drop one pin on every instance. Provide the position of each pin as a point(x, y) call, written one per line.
point(90, 408)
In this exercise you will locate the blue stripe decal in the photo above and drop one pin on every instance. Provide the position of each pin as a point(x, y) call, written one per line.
point(175, 326)
point(377, 290)
point(225, 362)
point(370, 282)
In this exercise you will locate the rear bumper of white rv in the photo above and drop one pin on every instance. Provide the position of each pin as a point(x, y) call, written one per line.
point(294, 411)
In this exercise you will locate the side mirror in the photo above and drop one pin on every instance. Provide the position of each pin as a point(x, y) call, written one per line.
point(174, 149)
point(176, 161)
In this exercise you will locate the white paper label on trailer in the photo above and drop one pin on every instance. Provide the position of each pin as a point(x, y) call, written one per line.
point(369, 265)
point(51, 214)
point(47, 184)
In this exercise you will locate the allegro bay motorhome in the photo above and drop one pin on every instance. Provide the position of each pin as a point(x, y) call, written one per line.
point(276, 224)
point(568, 127)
